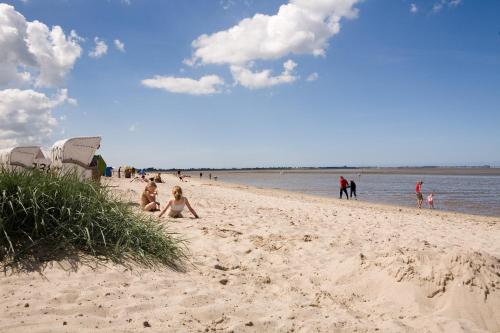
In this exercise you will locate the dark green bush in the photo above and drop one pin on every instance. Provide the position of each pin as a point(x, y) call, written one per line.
point(45, 217)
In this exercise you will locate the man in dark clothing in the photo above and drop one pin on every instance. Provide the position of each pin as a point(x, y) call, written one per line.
point(343, 187)
point(353, 189)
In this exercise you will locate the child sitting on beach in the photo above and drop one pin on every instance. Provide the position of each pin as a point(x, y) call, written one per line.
point(430, 200)
point(148, 198)
point(177, 204)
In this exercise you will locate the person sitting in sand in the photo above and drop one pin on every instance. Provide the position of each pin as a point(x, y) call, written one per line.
point(183, 177)
point(148, 198)
point(158, 178)
point(177, 204)
point(430, 200)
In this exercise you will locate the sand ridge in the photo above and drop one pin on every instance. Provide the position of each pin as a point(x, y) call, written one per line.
point(275, 261)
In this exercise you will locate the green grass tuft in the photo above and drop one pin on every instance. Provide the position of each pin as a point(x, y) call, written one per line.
point(48, 217)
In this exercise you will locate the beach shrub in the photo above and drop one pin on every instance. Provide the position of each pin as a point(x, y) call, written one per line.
point(44, 216)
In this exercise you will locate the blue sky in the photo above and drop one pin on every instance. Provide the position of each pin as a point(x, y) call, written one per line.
point(391, 87)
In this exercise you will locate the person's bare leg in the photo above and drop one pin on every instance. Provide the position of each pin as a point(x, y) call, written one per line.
point(150, 207)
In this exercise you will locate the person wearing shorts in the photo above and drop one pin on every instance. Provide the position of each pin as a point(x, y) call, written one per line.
point(418, 191)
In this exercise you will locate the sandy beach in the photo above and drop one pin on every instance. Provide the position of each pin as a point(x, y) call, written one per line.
point(274, 261)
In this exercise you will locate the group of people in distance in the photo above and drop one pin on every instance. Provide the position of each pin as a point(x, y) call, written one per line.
point(149, 201)
point(420, 196)
point(344, 185)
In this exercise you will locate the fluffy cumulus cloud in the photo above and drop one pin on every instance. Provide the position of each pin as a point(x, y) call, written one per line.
point(263, 79)
point(299, 27)
point(413, 8)
point(100, 48)
point(32, 53)
point(206, 85)
point(26, 116)
point(120, 46)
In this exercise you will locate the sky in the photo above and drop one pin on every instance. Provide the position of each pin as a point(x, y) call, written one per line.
point(255, 83)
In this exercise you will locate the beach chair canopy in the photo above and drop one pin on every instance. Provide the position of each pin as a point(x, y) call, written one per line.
point(78, 151)
point(43, 157)
point(21, 156)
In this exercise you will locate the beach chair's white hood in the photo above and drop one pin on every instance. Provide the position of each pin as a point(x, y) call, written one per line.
point(21, 156)
point(43, 157)
point(75, 150)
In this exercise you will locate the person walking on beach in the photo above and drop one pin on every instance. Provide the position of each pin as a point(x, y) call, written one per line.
point(201, 175)
point(352, 187)
point(119, 172)
point(418, 191)
point(343, 187)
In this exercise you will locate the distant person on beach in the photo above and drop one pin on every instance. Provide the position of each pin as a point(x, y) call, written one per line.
point(430, 200)
point(343, 187)
point(418, 191)
point(177, 204)
point(201, 175)
point(210, 176)
point(119, 172)
point(148, 198)
point(158, 178)
point(352, 187)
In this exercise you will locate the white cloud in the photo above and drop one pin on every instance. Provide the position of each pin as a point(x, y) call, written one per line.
point(26, 117)
point(32, 55)
point(312, 77)
point(413, 8)
point(439, 5)
point(100, 49)
point(120, 46)
point(226, 4)
point(206, 85)
point(30, 52)
point(299, 27)
point(132, 128)
point(263, 79)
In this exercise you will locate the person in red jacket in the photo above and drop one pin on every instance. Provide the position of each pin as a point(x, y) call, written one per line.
point(418, 191)
point(343, 187)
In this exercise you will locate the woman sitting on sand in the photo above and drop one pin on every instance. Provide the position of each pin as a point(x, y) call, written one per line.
point(177, 204)
point(158, 178)
point(148, 198)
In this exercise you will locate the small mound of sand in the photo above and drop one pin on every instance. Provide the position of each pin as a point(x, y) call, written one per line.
point(480, 272)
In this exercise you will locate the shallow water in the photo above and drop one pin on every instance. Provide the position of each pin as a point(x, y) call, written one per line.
point(467, 194)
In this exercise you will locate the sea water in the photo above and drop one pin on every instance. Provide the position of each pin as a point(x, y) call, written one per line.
point(472, 194)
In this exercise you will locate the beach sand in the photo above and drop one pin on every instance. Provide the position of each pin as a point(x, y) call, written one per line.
point(275, 261)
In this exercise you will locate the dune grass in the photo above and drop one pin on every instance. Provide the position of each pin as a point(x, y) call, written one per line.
point(44, 216)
